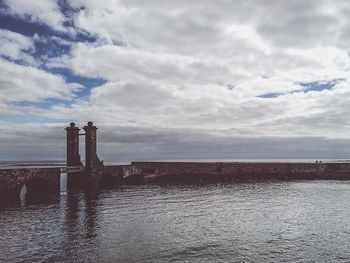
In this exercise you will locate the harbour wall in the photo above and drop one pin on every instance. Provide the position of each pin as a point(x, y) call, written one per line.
point(47, 180)
point(196, 172)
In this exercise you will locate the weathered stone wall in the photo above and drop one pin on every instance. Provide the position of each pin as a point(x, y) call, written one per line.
point(120, 173)
point(144, 172)
point(12, 180)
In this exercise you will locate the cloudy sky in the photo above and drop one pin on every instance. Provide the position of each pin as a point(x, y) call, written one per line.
point(176, 79)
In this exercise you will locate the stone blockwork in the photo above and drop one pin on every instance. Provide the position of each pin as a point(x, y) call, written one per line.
point(37, 180)
point(94, 167)
point(73, 157)
point(119, 174)
point(47, 180)
point(187, 172)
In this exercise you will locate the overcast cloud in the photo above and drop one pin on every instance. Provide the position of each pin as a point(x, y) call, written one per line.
point(176, 79)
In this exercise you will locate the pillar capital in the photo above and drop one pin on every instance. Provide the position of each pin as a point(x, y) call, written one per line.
point(90, 126)
point(72, 127)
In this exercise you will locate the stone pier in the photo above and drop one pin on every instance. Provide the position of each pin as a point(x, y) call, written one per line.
point(38, 181)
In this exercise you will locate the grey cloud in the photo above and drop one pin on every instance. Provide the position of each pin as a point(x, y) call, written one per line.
point(302, 31)
point(32, 142)
point(166, 144)
point(125, 144)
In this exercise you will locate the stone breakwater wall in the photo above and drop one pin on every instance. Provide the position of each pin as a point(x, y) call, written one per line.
point(195, 172)
point(37, 181)
point(47, 180)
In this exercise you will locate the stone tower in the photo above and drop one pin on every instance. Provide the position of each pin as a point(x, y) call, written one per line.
point(90, 146)
point(93, 166)
point(73, 157)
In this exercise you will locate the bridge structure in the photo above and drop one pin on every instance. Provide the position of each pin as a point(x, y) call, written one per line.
point(38, 181)
point(80, 175)
point(42, 181)
point(72, 169)
point(94, 173)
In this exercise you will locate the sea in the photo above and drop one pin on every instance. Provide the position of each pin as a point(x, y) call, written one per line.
point(271, 221)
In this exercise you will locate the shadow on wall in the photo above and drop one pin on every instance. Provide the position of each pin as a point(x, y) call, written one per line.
point(106, 181)
point(36, 187)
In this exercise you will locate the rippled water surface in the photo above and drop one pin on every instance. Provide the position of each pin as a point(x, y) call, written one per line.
point(305, 221)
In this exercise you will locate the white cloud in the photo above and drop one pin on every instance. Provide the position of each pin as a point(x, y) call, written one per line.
point(197, 68)
point(14, 45)
point(157, 89)
point(196, 26)
point(44, 11)
point(45, 39)
point(19, 83)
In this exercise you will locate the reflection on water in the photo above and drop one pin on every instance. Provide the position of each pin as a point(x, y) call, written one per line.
point(63, 184)
point(250, 222)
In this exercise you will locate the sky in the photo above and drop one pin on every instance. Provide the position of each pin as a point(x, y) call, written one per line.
point(167, 80)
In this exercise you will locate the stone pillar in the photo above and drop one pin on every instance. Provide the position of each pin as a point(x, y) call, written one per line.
point(90, 147)
point(93, 166)
point(73, 157)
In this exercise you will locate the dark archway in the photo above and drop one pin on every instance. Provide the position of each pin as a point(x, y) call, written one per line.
point(38, 187)
point(10, 196)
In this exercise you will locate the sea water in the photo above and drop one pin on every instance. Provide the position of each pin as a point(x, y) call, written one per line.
point(296, 221)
